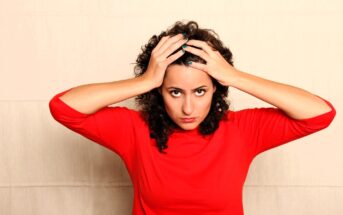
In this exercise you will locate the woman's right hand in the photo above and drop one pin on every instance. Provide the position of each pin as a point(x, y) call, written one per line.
point(159, 59)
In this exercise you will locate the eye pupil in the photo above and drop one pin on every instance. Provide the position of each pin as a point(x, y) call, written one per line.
point(176, 92)
point(173, 92)
point(201, 90)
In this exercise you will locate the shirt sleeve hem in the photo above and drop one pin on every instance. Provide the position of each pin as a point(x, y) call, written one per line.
point(327, 116)
point(66, 108)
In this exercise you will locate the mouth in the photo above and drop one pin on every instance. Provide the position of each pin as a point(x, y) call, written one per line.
point(188, 120)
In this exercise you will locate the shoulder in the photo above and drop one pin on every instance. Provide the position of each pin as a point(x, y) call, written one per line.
point(235, 115)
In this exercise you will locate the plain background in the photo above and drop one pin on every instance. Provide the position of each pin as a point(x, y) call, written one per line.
point(47, 46)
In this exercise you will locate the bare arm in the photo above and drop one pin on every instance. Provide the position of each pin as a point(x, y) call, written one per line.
point(90, 98)
point(295, 102)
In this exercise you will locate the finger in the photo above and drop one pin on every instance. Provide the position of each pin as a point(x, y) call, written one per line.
point(201, 44)
point(161, 42)
point(175, 56)
point(197, 52)
point(197, 65)
point(169, 42)
point(173, 47)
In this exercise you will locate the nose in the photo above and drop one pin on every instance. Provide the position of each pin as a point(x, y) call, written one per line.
point(187, 106)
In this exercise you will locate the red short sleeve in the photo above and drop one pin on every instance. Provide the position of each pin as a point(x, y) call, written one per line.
point(111, 127)
point(267, 127)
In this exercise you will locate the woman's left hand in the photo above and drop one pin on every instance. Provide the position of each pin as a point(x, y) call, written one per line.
point(216, 65)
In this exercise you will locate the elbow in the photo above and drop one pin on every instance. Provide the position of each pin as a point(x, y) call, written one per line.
point(328, 116)
point(318, 122)
point(52, 108)
point(332, 114)
point(329, 113)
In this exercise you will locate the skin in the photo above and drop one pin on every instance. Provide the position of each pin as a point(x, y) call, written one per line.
point(187, 92)
point(295, 102)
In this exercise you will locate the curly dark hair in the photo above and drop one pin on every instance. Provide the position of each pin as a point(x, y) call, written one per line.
point(151, 103)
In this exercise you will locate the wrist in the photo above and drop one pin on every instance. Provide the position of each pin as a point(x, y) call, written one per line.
point(146, 82)
point(234, 77)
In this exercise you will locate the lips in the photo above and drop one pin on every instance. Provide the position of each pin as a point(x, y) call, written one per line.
point(188, 120)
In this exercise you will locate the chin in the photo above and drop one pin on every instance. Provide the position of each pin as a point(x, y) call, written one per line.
point(188, 126)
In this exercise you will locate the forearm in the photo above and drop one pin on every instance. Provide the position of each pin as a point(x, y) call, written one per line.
point(295, 102)
point(91, 97)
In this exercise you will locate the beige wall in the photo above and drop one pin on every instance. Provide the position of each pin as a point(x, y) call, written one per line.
point(47, 46)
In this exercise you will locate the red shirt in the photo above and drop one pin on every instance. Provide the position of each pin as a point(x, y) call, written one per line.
point(198, 175)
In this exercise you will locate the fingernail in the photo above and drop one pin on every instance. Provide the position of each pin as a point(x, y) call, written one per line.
point(189, 62)
point(184, 35)
point(184, 46)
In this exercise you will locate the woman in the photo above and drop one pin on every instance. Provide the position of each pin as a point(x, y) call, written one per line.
point(185, 151)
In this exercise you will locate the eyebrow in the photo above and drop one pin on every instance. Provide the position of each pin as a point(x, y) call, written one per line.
point(183, 90)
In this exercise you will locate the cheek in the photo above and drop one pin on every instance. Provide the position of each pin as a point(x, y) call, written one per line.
point(206, 101)
point(205, 105)
point(170, 105)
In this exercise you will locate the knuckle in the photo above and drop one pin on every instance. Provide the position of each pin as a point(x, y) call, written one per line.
point(202, 43)
point(159, 61)
point(153, 55)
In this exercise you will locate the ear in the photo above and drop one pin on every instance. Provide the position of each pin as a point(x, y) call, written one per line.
point(214, 88)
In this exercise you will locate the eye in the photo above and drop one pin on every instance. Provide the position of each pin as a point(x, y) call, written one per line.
point(201, 90)
point(176, 93)
point(172, 92)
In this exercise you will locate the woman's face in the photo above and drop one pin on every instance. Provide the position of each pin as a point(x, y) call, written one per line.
point(187, 93)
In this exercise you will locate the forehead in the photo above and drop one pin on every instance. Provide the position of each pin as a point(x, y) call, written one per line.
point(185, 77)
